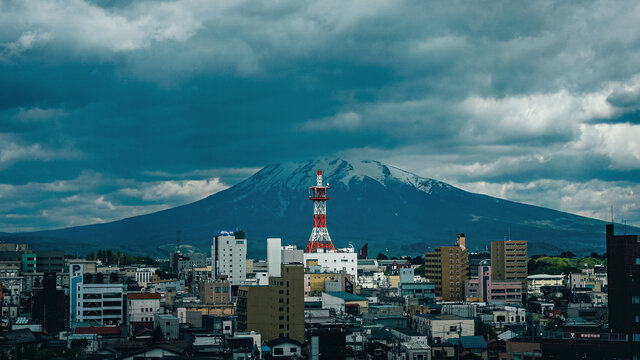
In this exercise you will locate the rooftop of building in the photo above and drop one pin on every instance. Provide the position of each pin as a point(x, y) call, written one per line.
point(544, 276)
point(470, 342)
point(367, 262)
point(346, 296)
point(166, 316)
point(407, 331)
point(282, 340)
point(443, 317)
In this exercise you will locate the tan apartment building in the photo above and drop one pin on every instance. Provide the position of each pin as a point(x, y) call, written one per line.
point(216, 292)
point(509, 261)
point(448, 268)
point(275, 310)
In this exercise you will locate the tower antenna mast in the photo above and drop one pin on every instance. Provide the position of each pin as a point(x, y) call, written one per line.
point(319, 239)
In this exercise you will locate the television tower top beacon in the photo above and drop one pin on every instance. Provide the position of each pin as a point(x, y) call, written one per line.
point(319, 241)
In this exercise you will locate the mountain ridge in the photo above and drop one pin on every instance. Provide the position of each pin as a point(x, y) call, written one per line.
point(393, 210)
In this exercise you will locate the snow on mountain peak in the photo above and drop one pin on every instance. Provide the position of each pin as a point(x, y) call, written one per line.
point(301, 175)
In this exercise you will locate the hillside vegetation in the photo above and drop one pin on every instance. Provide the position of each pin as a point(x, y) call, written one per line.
point(556, 265)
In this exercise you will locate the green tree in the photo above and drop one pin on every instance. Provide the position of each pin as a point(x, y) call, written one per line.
point(157, 335)
point(484, 330)
point(381, 256)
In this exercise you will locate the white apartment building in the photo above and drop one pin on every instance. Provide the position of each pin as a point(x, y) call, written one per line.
point(144, 275)
point(103, 303)
point(343, 259)
point(143, 306)
point(229, 256)
point(536, 282)
point(442, 327)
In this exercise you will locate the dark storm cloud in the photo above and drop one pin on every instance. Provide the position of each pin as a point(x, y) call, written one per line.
point(112, 109)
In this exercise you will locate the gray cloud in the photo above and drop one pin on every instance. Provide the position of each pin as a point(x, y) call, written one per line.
point(111, 109)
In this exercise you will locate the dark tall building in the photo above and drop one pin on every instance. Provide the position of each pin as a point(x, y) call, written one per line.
point(50, 305)
point(50, 261)
point(623, 271)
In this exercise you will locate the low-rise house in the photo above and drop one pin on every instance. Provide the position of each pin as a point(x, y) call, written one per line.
point(442, 327)
point(284, 348)
point(475, 345)
point(344, 303)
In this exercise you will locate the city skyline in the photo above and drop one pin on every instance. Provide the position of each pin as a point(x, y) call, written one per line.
point(116, 109)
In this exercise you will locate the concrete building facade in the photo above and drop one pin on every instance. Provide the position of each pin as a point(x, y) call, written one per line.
point(142, 307)
point(509, 261)
point(276, 310)
point(488, 290)
point(229, 256)
point(448, 269)
point(333, 262)
point(215, 292)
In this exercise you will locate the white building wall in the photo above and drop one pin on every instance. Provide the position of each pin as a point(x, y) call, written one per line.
point(274, 256)
point(344, 259)
point(143, 309)
point(262, 278)
point(291, 255)
point(332, 303)
point(144, 275)
point(448, 329)
point(102, 303)
point(229, 257)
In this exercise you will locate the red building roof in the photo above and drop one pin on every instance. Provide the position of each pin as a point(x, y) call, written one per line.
point(143, 296)
point(99, 330)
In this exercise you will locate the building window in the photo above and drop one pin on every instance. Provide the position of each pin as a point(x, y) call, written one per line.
point(278, 351)
point(293, 350)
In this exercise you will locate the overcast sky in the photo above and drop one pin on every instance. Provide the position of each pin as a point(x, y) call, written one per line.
point(110, 109)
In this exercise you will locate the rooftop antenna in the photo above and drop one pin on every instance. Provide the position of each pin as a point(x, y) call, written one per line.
point(625, 226)
point(178, 242)
point(509, 232)
point(612, 214)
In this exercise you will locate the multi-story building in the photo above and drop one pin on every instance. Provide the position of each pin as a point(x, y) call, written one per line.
point(28, 263)
point(102, 303)
point(144, 275)
point(345, 259)
point(215, 292)
point(486, 289)
point(448, 268)
point(509, 261)
point(276, 310)
point(536, 282)
point(143, 306)
point(623, 268)
point(408, 287)
point(50, 261)
point(442, 327)
point(229, 256)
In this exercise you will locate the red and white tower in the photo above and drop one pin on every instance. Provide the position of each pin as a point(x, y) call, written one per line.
point(319, 239)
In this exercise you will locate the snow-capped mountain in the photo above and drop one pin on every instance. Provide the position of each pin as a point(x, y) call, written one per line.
point(393, 210)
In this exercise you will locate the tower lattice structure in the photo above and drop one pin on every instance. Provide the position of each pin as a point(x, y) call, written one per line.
point(319, 239)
